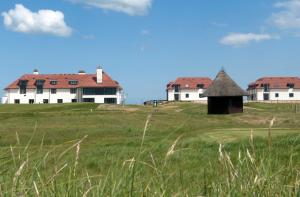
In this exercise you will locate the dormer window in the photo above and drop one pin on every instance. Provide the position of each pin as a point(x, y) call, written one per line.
point(39, 86)
point(73, 82)
point(23, 85)
point(53, 82)
point(266, 87)
point(200, 86)
point(290, 85)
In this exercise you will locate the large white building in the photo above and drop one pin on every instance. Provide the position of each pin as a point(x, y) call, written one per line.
point(64, 88)
point(281, 89)
point(188, 89)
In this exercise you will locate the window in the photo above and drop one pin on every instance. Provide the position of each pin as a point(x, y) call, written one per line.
point(73, 90)
point(45, 101)
point(99, 91)
point(110, 100)
point(290, 85)
point(74, 100)
point(176, 88)
point(23, 86)
point(276, 95)
point(39, 90)
point(201, 96)
point(73, 82)
point(266, 87)
point(53, 82)
point(200, 86)
point(60, 101)
point(17, 101)
point(53, 91)
point(291, 95)
point(187, 95)
point(88, 100)
point(39, 86)
point(31, 101)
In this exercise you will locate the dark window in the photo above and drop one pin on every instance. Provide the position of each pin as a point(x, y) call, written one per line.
point(99, 91)
point(176, 87)
point(74, 100)
point(60, 101)
point(88, 100)
point(73, 82)
point(17, 101)
point(110, 100)
point(266, 87)
point(23, 86)
point(201, 96)
point(291, 95)
point(53, 82)
point(290, 85)
point(73, 90)
point(266, 97)
point(187, 96)
point(53, 91)
point(45, 101)
point(200, 86)
point(276, 95)
point(39, 90)
point(176, 97)
point(31, 101)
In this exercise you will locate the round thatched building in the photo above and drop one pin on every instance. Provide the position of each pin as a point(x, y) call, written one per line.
point(224, 95)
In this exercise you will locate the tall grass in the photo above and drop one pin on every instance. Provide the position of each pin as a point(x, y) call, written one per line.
point(249, 168)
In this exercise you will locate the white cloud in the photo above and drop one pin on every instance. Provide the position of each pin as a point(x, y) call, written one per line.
point(288, 16)
point(131, 7)
point(23, 20)
point(240, 39)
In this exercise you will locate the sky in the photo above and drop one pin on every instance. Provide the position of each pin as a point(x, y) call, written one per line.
point(144, 44)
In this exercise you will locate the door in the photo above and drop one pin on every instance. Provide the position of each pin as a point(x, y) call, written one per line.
point(176, 97)
point(266, 97)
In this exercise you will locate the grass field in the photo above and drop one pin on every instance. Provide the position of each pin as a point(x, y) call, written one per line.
point(172, 150)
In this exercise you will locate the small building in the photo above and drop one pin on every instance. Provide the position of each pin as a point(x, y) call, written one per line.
point(188, 89)
point(39, 88)
point(283, 89)
point(224, 95)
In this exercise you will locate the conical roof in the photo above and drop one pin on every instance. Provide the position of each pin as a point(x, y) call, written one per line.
point(223, 85)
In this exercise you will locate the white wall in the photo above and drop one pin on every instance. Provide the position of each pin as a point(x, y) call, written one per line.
point(193, 95)
point(283, 95)
point(64, 94)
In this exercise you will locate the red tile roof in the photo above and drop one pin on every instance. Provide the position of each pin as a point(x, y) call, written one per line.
point(190, 82)
point(275, 82)
point(84, 80)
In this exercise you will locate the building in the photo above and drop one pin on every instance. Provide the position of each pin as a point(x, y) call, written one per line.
point(188, 89)
point(283, 89)
point(224, 95)
point(64, 88)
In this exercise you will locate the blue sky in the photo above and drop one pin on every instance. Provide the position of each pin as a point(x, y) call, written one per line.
point(144, 44)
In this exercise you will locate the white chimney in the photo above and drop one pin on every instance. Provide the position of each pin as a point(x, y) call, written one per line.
point(35, 72)
point(99, 73)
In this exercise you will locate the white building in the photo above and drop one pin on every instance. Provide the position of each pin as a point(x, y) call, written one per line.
point(188, 89)
point(281, 89)
point(64, 88)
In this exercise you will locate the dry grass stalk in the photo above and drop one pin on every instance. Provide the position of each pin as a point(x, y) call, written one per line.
point(17, 174)
point(36, 189)
point(269, 132)
point(77, 158)
point(68, 149)
point(145, 129)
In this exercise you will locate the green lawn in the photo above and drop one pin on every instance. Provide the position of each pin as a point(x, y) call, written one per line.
point(40, 136)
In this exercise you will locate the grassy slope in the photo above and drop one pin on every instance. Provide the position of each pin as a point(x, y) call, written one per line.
point(114, 135)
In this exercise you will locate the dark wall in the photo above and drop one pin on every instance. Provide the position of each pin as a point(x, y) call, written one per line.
point(225, 105)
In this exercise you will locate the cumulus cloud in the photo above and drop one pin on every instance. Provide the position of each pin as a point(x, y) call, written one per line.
point(288, 16)
point(21, 19)
point(131, 7)
point(240, 39)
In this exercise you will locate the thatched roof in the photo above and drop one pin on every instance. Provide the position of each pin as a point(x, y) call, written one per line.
point(223, 85)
